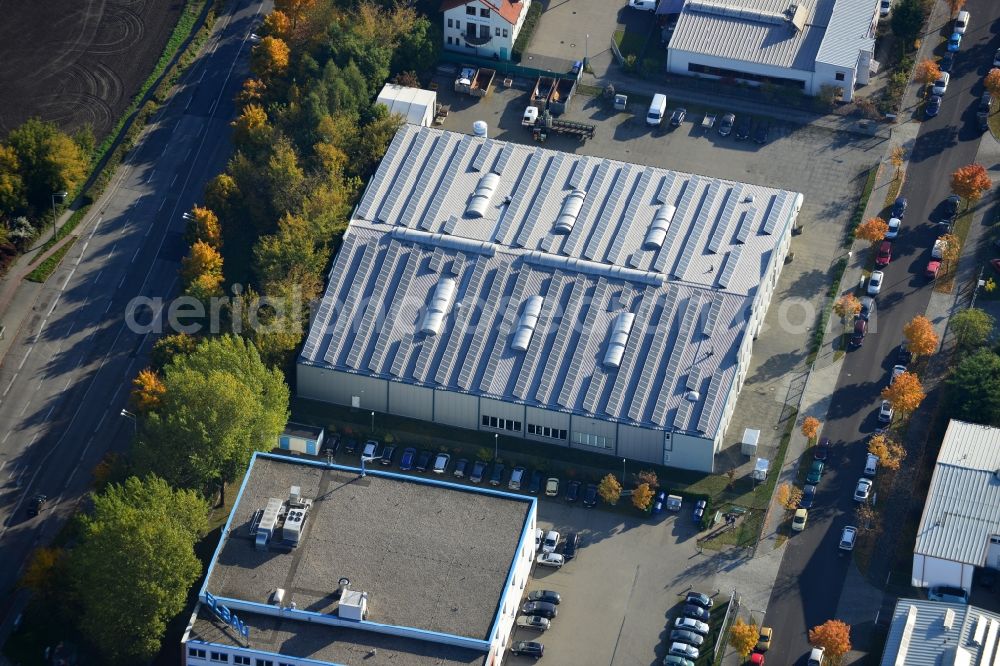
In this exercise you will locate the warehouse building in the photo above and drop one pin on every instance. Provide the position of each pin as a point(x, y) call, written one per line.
point(325, 564)
point(934, 633)
point(567, 299)
point(805, 44)
point(959, 531)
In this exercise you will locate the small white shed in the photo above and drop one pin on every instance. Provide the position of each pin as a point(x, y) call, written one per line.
point(750, 439)
point(416, 105)
point(760, 469)
point(301, 439)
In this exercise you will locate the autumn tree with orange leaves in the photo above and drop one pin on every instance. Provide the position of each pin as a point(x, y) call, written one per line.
point(927, 72)
point(891, 453)
point(992, 82)
point(148, 391)
point(905, 393)
point(270, 58)
point(201, 271)
point(872, 230)
point(847, 307)
point(834, 636)
point(970, 182)
point(810, 427)
point(203, 225)
point(921, 340)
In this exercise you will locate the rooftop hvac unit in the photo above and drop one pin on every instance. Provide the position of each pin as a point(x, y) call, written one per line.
point(291, 531)
point(268, 522)
point(294, 495)
point(353, 605)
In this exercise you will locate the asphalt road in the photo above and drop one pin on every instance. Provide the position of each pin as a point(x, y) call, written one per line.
point(68, 373)
point(812, 574)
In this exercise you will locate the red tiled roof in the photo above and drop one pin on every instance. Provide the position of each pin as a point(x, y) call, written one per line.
point(509, 11)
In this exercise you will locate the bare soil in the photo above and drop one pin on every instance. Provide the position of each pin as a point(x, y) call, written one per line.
point(78, 62)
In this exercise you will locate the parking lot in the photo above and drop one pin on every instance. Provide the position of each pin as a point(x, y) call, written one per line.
point(827, 167)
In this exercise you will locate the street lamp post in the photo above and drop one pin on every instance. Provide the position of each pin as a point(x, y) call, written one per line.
point(623, 471)
point(135, 422)
point(373, 422)
point(55, 220)
point(496, 446)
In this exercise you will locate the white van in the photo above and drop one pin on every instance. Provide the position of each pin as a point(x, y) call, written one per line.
point(962, 22)
point(657, 109)
point(871, 464)
point(816, 656)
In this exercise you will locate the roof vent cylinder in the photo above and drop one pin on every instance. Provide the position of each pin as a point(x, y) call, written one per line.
point(570, 209)
point(619, 337)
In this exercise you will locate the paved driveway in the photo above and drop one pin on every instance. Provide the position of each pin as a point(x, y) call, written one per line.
point(562, 33)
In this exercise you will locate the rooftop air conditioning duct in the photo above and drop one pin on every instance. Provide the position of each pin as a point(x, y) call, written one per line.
point(481, 197)
point(438, 308)
point(526, 325)
point(619, 336)
point(268, 522)
point(291, 531)
point(658, 228)
point(570, 209)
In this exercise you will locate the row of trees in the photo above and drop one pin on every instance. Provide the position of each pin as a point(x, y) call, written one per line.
point(974, 383)
point(833, 635)
point(307, 137)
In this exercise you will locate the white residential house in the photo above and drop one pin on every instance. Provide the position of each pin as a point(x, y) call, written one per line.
point(483, 28)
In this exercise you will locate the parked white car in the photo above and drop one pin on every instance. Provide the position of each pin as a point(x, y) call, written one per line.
point(551, 560)
point(643, 5)
point(551, 542)
point(847, 537)
point(863, 490)
point(691, 624)
point(885, 412)
point(941, 85)
point(893, 231)
point(875, 283)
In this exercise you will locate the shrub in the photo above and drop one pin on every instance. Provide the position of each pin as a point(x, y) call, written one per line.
point(527, 30)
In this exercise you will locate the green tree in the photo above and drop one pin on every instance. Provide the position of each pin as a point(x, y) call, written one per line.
point(133, 565)
point(972, 327)
point(50, 160)
point(418, 47)
point(371, 143)
point(220, 405)
point(907, 20)
point(169, 346)
point(11, 183)
point(975, 388)
point(290, 254)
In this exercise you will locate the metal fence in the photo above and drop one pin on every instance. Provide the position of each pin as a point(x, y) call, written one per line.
point(503, 67)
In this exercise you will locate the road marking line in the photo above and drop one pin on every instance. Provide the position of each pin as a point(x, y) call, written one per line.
point(136, 255)
point(89, 442)
point(115, 396)
point(110, 303)
point(69, 331)
point(96, 224)
point(7, 390)
point(99, 274)
point(101, 422)
point(162, 203)
point(49, 413)
point(114, 246)
point(149, 229)
point(54, 304)
point(25, 408)
point(5, 441)
point(124, 277)
point(68, 382)
point(4, 463)
point(188, 154)
point(171, 185)
point(190, 99)
point(26, 354)
point(151, 173)
point(41, 328)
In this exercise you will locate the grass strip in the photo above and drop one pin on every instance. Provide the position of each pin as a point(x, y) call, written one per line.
point(859, 212)
point(46, 268)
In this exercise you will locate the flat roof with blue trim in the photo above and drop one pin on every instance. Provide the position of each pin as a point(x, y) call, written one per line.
point(432, 556)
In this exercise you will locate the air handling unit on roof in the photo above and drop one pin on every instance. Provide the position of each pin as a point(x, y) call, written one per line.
point(570, 209)
point(619, 336)
point(481, 197)
point(444, 292)
point(526, 325)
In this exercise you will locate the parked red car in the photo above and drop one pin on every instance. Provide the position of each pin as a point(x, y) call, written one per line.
point(933, 266)
point(884, 255)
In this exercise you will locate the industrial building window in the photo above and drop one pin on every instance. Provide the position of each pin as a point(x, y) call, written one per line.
point(220, 657)
point(546, 431)
point(449, 23)
point(498, 32)
point(485, 13)
point(839, 76)
point(597, 441)
point(747, 76)
point(470, 10)
point(195, 652)
point(243, 661)
point(505, 32)
point(265, 662)
point(501, 424)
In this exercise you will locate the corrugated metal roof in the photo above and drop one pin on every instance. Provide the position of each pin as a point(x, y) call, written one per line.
point(850, 31)
point(382, 279)
point(962, 509)
point(835, 31)
point(927, 642)
point(758, 40)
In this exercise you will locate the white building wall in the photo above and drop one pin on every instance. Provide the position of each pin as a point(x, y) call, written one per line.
point(499, 46)
point(339, 388)
point(930, 571)
point(593, 435)
point(643, 444)
point(827, 75)
point(689, 451)
point(511, 599)
point(456, 409)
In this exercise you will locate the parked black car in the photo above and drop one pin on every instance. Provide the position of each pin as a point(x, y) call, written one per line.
point(570, 544)
point(537, 478)
point(677, 117)
point(696, 612)
point(699, 511)
point(699, 599)
point(461, 468)
point(898, 207)
point(35, 505)
point(540, 608)
point(545, 595)
point(822, 450)
point(760, 131)
point(424, 460)
point(572, 491)
point(528, 649)
point(946, 62)
point(590, 496)
point(933, 106)
point(904, 356)
point(350, 446)
point(743, 127)
point(478, 471)
point(496, 478)
point(331, 444)
point(387, 454)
